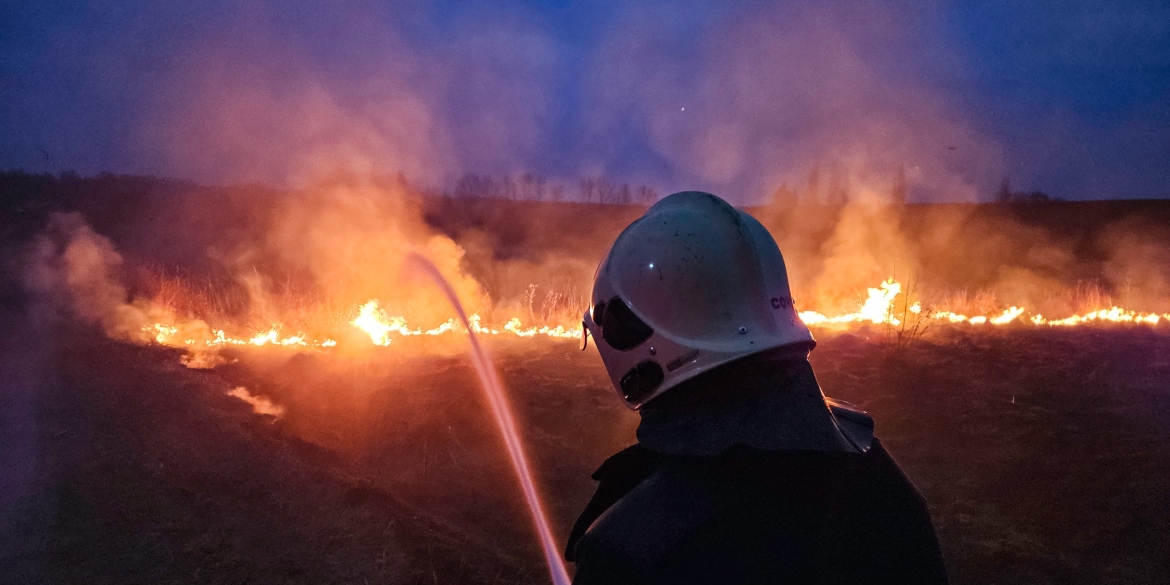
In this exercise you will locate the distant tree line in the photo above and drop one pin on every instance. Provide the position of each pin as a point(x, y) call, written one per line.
point(835, 186)
point(27, 199)
point(1005, 194)
point(29, 194)
point(529, 187)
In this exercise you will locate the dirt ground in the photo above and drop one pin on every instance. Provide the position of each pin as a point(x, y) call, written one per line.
point(1044, 455)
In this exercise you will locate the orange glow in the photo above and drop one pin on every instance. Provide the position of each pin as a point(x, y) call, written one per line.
point(1110, 315)
point(369, 318)
point(875, 309)
point(374, 322)
point(879, 307)
point(1008, 315)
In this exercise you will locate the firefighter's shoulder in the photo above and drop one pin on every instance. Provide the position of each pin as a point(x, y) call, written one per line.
point(642, 528)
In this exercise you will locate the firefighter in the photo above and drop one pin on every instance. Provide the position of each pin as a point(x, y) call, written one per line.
point(743, 471)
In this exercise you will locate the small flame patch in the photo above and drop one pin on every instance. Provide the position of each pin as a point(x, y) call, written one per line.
point(260, 404)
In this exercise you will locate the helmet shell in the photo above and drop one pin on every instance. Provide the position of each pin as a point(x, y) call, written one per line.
point(708, 279)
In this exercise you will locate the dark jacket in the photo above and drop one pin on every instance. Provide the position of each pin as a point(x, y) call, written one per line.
point(752, 516)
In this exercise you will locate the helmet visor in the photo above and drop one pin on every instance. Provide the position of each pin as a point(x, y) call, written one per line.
point(619, 326)
point(613, 323)
point(641, 381)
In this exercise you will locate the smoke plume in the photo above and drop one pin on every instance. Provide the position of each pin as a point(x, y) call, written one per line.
point(79, 270)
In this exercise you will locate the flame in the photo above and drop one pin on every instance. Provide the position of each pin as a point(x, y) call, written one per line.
point(379, 326)
point(374, 322)
point(1008, 315)
point(877, 308)
point(162, 333)
point(1112, 315)
point(260, 404)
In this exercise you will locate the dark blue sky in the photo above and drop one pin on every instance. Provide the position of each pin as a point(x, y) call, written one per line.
point(1072, 98)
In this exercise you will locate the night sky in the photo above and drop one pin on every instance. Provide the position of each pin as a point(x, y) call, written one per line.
point(1071, 98)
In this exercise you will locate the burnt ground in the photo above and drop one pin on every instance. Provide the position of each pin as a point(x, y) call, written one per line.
point(1044, 455)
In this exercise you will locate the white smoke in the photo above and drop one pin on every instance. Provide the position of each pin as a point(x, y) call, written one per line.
point(78, 270)
point(75, 270)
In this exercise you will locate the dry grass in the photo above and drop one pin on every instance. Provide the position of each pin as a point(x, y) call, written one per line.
point(1042, 453)
point(968, 302)
point(912, 324)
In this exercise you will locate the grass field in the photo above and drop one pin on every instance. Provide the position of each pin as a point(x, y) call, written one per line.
point(1044, 455)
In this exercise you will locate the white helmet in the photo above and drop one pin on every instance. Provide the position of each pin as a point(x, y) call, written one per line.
point(691, 285)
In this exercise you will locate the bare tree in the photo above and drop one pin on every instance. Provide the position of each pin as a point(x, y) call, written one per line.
point(813, 190)
point(607, 192)
point(623, 194)
point(469, 186)
point(785, 195)
point(646, 195)
point(900, 188)
point(1004, 195)
point(556, 192)
point(588, 190)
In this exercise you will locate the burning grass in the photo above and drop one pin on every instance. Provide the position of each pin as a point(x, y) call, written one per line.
point(318, 270)
point(81, 268)
point(306, 319)
point(901, 318)
point(333, 432)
